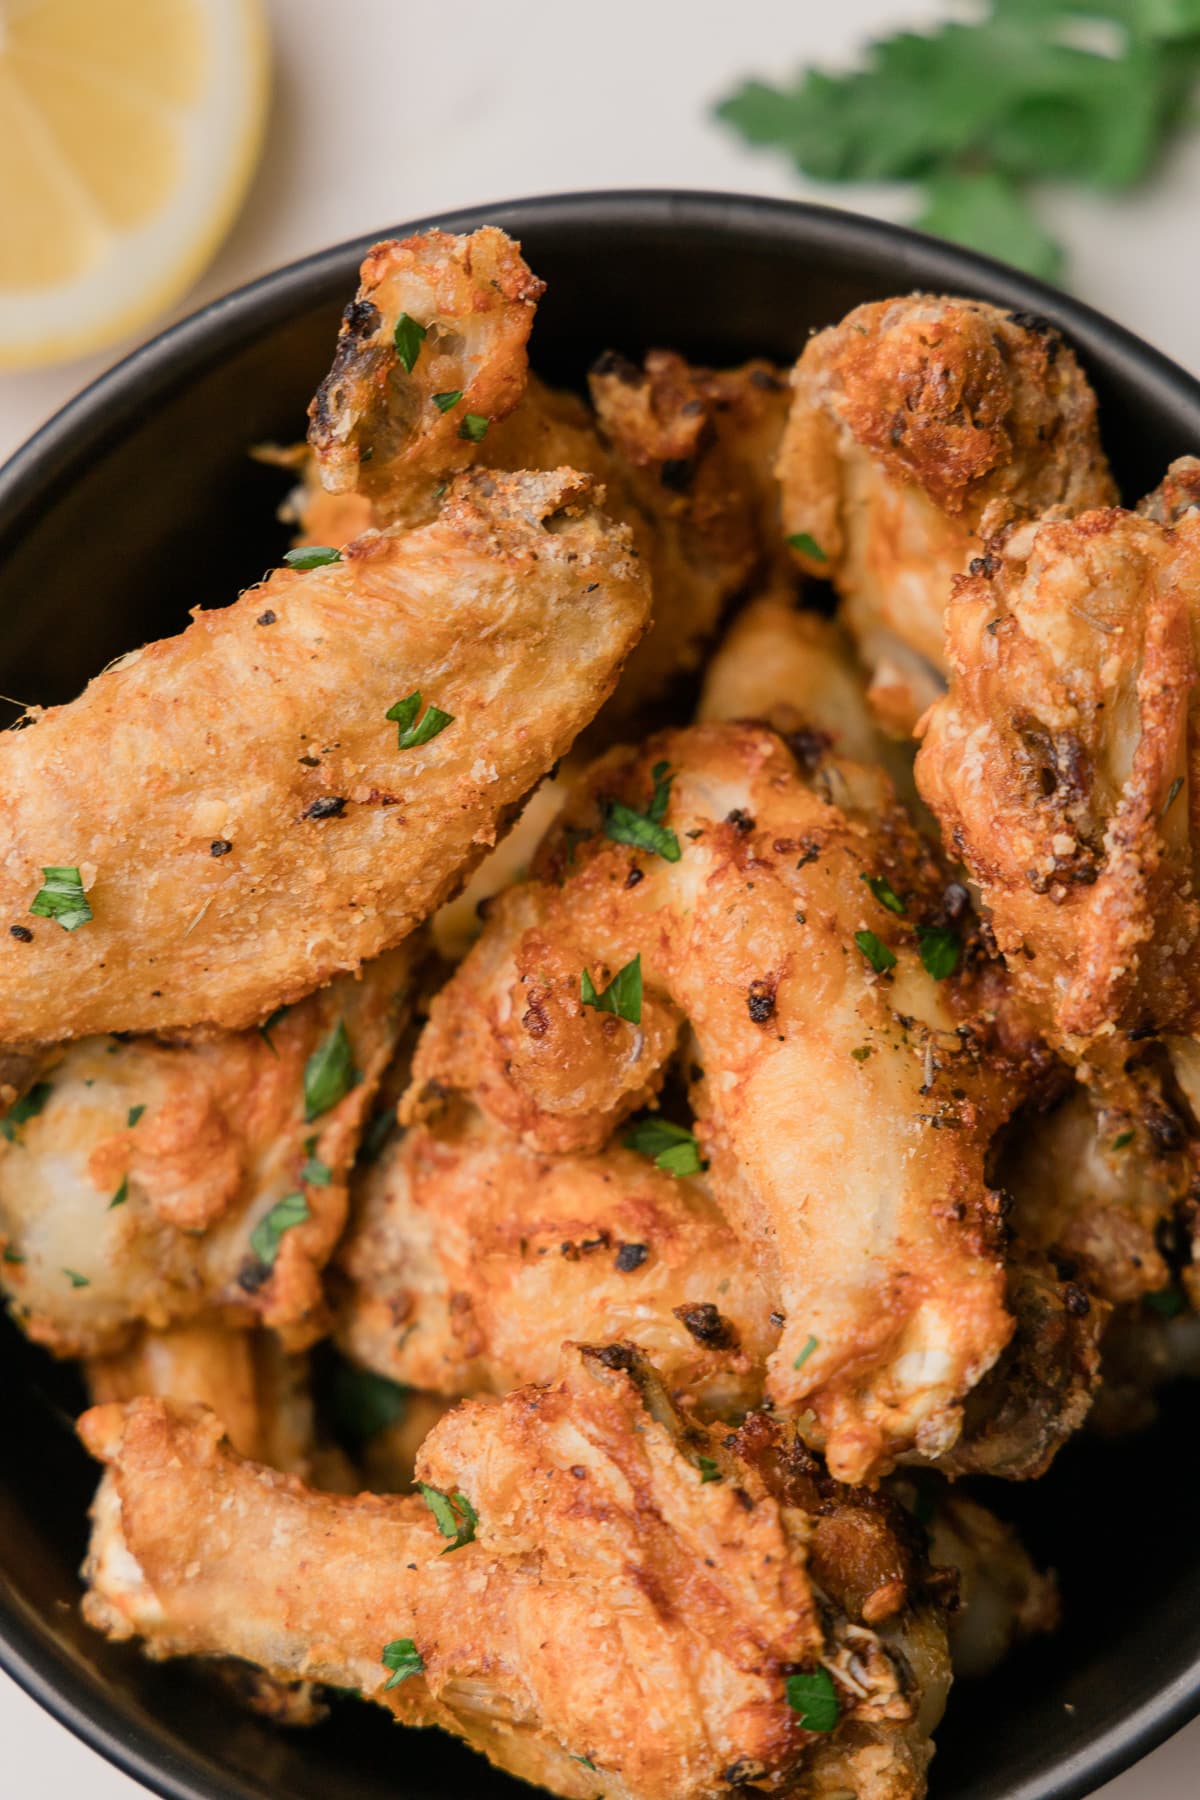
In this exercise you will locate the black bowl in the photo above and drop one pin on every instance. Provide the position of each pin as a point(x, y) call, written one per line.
point(136, 502)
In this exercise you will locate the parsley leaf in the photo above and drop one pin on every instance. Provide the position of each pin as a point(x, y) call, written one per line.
point(988, 210)
point(672, 1148)
point(27, 1107)
point(622, 996)
point(939, 949)
point(813, 1696)
point(267, 1027)
point(807, 545)
point(121, 1195)
point(450, 398)
point(364, 1403)
point(876, 952)
point(61, 897)
point(329, 1074)
point(1122, 1139)
point(885, 893)
point(805, 1353)
point(11, 1255)
point(643, 830)
point(76, 1279)
point(314, 1172)
point(453, 1515)
point(267, 1235)
point(133, 1115)
point(403, 1657)
point(408, 338)
point(412, 734)
point(312, 556)
point(585, 1760)
point(473, 428)
point(709, 1469)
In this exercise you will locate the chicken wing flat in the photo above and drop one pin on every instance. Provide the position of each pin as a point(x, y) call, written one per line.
point(1058, 766)
point(472, 1258)
point(244, 822)
point(150, 1182)
point(919, 427)
point(788, 934)
point(599, 1541)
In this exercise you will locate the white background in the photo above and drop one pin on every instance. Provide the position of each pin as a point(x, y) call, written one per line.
point(385, 110)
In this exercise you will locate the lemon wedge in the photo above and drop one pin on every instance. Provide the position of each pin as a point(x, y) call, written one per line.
point(130, 131)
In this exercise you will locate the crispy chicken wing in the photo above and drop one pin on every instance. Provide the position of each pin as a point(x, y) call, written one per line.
point(1003, 1597)
point(472, 1258)
point(1058, 766)
point(919, 427)
point(152, 1182)
point(600, 1544)
point(874, 1228)
point(242, 819)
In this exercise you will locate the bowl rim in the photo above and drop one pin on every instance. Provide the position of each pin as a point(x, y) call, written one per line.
point(77, 432)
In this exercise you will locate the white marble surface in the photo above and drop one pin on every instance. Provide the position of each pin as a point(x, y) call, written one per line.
point(386, 110)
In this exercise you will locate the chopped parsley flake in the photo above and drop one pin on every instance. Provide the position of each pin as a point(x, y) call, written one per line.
point(11, 1255)
point(876, 952)
point(672, 1148)
point(1173, 793)
point(862, 1053)
point(314, 1173)
point(453, 1514)
point(404, 1659)
point(445, 401)
point(76, 1279)
point(939, 950)
point(411, 733)
point(622, 996)
point(1122, 1139)
point(408, 338)
point(885, 893)
point(645, 831)
point(268, 1026)
point(807, 546)
point(121, 1195)
point(312, 556)
point(134, 1114)
point(27, 1107)
point(805, 1353)
point(329, 1074)
point(267, 1235)
point(585, 1760)
point(61, 898)
point(473, 428)
point(814, 1698)
point(709, 1469)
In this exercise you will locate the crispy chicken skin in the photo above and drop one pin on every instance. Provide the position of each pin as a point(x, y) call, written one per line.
point(1058, 766)
point(243, 821)
point(875, 1231)
point(131, 1196)
point(687, 1596)
point(919, 427)
point(472, 1258)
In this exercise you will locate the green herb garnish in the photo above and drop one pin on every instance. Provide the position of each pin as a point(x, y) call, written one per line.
point(807, 545)
point(61, 898)
point(645, 831)
point(329, 1074)
point(312, 556)
point(121, 1195)
point(813, 1696)
point(805, 1353)
point(585, 1760)
point(377, 1134)
point(1173, 793)
point(364, 1403)
point(411, 733)
point(76, 1279)
point(314, 1172)
point(404, 1659)
point(1122, 1139)
point(267, 1235)
point(444, 402)
point(876, 952)
point(408, 338)
point(11, 1255)
point(709, 1469)
point(27, 1107)
point(671, 1147)
point(862, 1053)
point(453, 1514)
point(622, 996)
point(939, 949)
point(885, 893)
point(473, 428)
point(133, 1115)
point(267, 1027)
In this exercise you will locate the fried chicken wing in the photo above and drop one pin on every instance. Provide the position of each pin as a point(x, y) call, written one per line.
point(919, 427)
point(471, 1260)
point(242, 819)
point(1003, 1597)
point(595, 1552)
point(868, 1211)
point(1058, 767)
point(153, 1182)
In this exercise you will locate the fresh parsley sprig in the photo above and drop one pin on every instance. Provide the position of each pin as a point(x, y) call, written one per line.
point(413, 731)
point(645, 831)
point(672, 1148)
point(453, 1515)
point(622, 996)
point(403, 1658)
point(61, 897)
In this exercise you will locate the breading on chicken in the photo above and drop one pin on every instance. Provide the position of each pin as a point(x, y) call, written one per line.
point(1003, 1597)
point(1058, 767)
point(876, 1233)
point(919, 427)
point(242, 818)
point(600, 1544)
point(154, 1182)
point(471, 1259)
